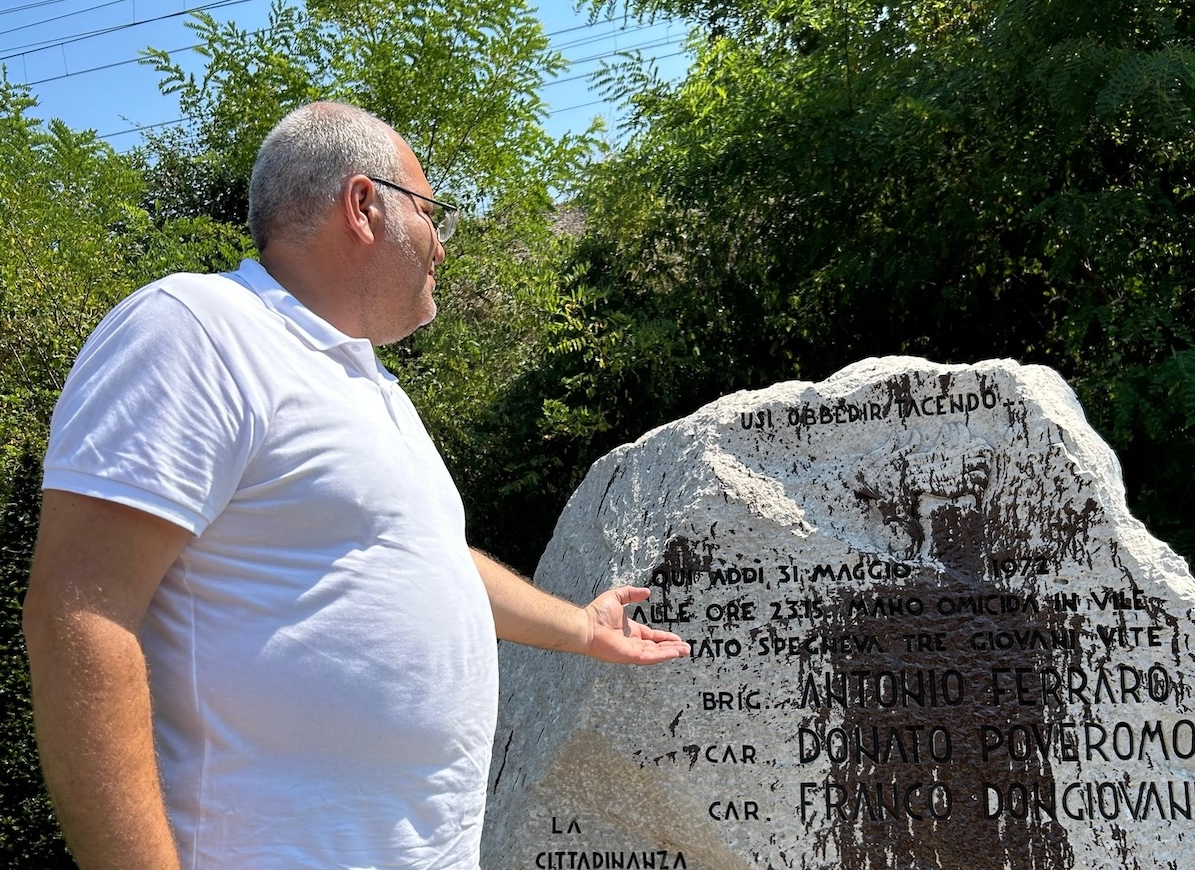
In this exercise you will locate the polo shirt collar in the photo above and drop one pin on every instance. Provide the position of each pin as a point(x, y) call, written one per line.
point(309, 327)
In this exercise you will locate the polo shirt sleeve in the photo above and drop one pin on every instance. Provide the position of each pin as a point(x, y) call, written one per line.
point(151, 416)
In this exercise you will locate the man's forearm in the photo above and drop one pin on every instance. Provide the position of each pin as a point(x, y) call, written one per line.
point(91, 710)
point(601, 629)
point(527, 615)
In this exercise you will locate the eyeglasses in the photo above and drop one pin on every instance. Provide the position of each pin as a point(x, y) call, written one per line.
point(443, 216)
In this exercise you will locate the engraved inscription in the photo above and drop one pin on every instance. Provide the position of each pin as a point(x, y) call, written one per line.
point(924, 633)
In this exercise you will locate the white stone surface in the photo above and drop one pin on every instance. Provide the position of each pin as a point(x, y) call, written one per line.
point(926, 634)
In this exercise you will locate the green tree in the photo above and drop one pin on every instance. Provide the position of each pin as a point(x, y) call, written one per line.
point(459, 81)
point(74, 239)
point(958, 179)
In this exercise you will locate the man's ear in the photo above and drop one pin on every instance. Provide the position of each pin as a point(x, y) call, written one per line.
point(360, 208)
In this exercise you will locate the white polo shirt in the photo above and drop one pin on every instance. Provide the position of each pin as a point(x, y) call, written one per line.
point(322, 655)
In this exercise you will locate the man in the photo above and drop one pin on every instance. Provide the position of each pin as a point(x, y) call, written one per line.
point(246, 529)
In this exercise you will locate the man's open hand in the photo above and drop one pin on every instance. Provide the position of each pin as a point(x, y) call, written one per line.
point(614, 637)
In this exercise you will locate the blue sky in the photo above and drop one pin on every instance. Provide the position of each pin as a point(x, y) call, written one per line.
point(79, 57)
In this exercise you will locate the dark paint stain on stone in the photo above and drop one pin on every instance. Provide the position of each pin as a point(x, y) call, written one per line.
point(961, 536)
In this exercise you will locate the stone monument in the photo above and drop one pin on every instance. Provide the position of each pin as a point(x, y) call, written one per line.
point(926, 634)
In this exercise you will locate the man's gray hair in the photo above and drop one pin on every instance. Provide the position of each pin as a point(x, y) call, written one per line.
point(304, 162)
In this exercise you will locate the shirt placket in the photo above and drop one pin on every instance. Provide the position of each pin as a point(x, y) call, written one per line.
point(361, 356)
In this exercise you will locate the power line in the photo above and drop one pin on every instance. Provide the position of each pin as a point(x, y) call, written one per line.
point(60, 17)
point(102, 67)
point(597, 37)
point(127, 61)
point(36, 5)
point(141, 129)
point(17, 51)
point(181, 49)
point(639, 47)
point(560, 111)
point(175, 51)
point(586, 34)
point(598, 102)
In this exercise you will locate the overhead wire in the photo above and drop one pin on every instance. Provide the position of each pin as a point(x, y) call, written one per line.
point(174, 51)
point(623, 31)
point(560, 111)
point(550, 113)
point(102, 67)
point(60, 17)
point(35, 5)
point(17, 51)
